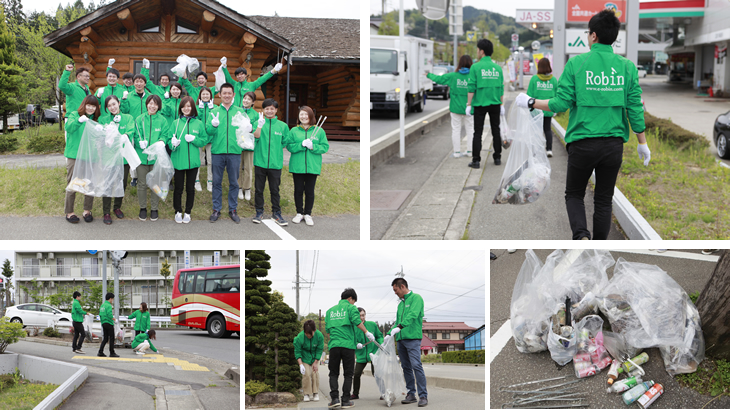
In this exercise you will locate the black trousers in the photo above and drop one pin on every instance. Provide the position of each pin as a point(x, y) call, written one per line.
point(79, 335)
point(604, 155)
point(180, 177)
point(547, 129)
point(347, 357)
point(106, 202)
point(304, 187)
point(108, 337)
point(359, 368)
point(274, 177)
point(137, 332)
point(479, 117)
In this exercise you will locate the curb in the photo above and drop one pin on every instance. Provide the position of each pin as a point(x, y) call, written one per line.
point(629, 219)
point(234, 373)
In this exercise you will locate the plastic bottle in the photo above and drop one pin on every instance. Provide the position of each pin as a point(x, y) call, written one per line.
point(636, 392)
point(613, 371)
point(623, 385)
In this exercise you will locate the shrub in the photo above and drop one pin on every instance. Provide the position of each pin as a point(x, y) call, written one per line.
point(674, 134)
point(51, 332)
point(47, 143)
point(9, 333)
point(255, 387)
point(8, 143)
point(464, 356)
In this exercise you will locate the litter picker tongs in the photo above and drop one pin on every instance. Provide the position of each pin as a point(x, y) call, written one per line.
point(377, 344)
point(320, 123)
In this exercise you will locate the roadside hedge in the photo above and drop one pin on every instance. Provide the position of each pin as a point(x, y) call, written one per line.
point(464, 356)
point(674, 134)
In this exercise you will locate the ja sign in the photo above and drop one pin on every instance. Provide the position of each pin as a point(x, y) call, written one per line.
point(576, 42)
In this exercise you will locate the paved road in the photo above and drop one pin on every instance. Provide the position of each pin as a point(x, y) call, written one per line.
point(689, 268)
point(382, 123)
point(198, 342)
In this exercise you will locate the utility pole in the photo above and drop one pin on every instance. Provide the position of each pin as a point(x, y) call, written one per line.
point(297, 285)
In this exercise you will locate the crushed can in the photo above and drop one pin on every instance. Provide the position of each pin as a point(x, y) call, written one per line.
point(650, 396)
point(582, 357)
point(636, 392)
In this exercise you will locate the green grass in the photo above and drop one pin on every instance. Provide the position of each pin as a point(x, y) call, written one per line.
point(431, 358)
point(40, 192)
point(683, 193)
point(694, 296)
point(24, 396)
point(43, 132)
point(712, 377)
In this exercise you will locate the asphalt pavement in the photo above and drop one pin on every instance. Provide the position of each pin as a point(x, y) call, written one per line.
point(197, 342)
point(382, 123)
point(689, 268)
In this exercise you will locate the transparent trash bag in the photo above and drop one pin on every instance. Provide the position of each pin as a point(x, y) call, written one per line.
point(185, 63)
point(388, 372)
point(244, 139)
point(529, 314)
point(220, 78)
point(505, 132)
point(88, 327)
point(162, 172)
point(99, 168)
point(526, 174)
point(616, 345)
point(591, 356)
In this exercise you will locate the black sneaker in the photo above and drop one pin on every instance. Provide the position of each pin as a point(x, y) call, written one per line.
point(335, 403)
point(101, 354)
point(497, 161)
point(354, 397)
point(279, 220)
point(114, 355)
point(88, 217)
point(346, 404)
point(119, 213)
point(257, 219)
point(107, 219)
point(422, 402)
point(234, 216)
point(73, 219)
point(474, 164)
point(153, 215)
point(134, 182)
point(409, 399)
point(214, 216)
point(143, 214)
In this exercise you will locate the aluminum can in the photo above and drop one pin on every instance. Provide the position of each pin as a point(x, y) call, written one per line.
point(650, 396)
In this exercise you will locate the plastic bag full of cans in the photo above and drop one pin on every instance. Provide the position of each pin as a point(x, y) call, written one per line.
point(591, 356)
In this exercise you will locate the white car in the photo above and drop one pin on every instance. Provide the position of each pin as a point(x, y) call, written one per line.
point(642, 73)
point(36, 314)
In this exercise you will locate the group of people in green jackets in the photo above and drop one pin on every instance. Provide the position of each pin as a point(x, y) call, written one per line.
point(183, 116)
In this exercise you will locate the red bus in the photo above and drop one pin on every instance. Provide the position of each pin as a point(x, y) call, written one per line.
point(208, 298)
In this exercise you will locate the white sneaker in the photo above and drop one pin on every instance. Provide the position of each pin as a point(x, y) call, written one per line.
point(140, 353)
point(240, 193)
point(210, 186)
point(186, 219)
point(467, 154)
point(308, 220)
point(247, 194)
point(550, 154)
point(316, 396)
point(198, 187)
point(178, 217)
point(297, 218)
point(511, 250)
point(456, 154)
point(306, 397)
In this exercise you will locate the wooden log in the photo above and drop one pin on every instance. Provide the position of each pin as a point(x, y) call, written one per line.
point(247, 38)
point(168, 7)
point(90, 33)
point(181, 49)
point(127, 20)
point(206, 22)
point(162, 53)
point(87, 46)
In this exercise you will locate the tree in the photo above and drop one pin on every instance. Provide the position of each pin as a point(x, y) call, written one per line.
point(8, 273)
point(282, 369)
point(62, 299)
point(714, 309)
point(258, 297)
point(33, 291)
point(165, 273)
point(389, 26)
point(14, 15)
point(94, 298)
point(9, 333)
point(277, 296)
point(11, 75)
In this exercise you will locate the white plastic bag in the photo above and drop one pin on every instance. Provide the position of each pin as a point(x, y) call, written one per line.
point(185, 63)
point(529, 314)
point(220, 78)
point(562, 346)
point(162, 172)
point(244, 139)
point(526, 174)
point(99, 168)
point(388, 372)
point(505, 132)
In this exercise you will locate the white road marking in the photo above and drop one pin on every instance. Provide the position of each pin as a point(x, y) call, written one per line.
point(499, 340)
point(278, 230)
point(674, 254)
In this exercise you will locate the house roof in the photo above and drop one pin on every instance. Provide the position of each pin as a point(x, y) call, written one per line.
point(427, 343)
point(449, 342)
point(317, 38)
point(446, 326)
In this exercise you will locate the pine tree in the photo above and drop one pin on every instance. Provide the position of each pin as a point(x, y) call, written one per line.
point(10, 73)
point(8, 273)
point(282, 368)
point(258, 297)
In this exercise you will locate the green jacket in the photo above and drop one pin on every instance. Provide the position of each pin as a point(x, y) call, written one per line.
point(243, 87)
point(126, 125)
point(204, 115)
point(141, 338)
point(142, 321)
point(303, 160)
point(269, 150)
point(309, 350)
point(486, 81)
point(458, 87)
point(363, 355)
point(171, 109)
point(602, 92)
point(135, 105)
point(341, 321)
point(77, 314)
point(194, 90)
point(74, 132)
point(410, 316)
point(75, 93)
point(106, 313)
point(223, 138)
point(117, 90)
point(543, 90)
point(151, 129)
point(154, 88)
point(187, 154)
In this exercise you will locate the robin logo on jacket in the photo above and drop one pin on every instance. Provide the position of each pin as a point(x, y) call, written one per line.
point(462, 83)
point(604, 80)
point(543, 85)
point(158, 129)
point(492, 72)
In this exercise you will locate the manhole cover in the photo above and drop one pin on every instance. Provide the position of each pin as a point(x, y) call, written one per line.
point(387, 200)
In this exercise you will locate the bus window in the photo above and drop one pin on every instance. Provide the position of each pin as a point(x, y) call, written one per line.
point(181, 283)
point(199, 282)
point(222, 281)
point(189, 280)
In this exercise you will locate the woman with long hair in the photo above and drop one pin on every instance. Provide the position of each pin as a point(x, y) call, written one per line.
point(143, 341)
point(88, 110)
point(459, 89)
point(151, 127)
point(141, 319)
point(125, 126)
point(205, 106)
point(544, 86)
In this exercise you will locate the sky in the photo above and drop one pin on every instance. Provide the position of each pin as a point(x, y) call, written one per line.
point(437, 276)
point(507, 8)
point(285, 8)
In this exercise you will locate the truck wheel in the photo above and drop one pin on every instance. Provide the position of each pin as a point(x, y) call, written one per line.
point(216, 326)
point(418, 107)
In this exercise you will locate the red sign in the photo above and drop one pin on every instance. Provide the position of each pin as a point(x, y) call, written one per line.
point(583, 10)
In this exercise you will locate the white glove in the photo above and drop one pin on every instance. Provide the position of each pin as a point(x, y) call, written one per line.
point(522, 100)
point(370, 336)
point(201, 105)
point(501, 110)
point(189, 137)
point(277, 68)
point(224, 61)
point(307, 143)
point(359, 346)
point(385, 340)
point(83, 119)
point(262, 120)
point(99, 92)
point(175, 141)
point(167, 94)
point(394, 331)
point(143, 144)
point(468, 110)
point(99, 128)
point(117, 118)
point(124, 95)
point(210, 104)
point(112, 61)
point(644, 153)
point(145, 63)
point(302, 370)
point(215, 122)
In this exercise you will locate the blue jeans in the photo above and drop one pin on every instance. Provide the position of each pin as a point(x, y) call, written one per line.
point(231, 163)
point(409, 351)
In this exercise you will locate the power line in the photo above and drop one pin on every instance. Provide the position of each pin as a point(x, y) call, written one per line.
point(454, 298)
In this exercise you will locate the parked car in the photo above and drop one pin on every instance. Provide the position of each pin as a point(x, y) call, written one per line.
point(721, 135)
point(438, 89)
point(642, 72)
point(13, 123)
point(50, 116)
point(36, 314)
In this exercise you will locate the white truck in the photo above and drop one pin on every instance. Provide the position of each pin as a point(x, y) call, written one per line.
point(13, 123)
point(416, 59)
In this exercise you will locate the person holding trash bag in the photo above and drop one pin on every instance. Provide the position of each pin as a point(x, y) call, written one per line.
point(106, 314)
point(143, 341)
point(141, 319)
point(245, 179)
point(151, 127)
point(458, 83)
point(226, 153)
point(125, 125)
point(188, 136)
point(75, 124)
point(340, 323)
point(486, 96)
point(241, 85)
point(205, 106)
point(112, 88)
point(543, 86)
point(362, 354)
point(601, 90)
point(308, 347)
point(408, 332)
point(307, 143)
point(159, 90)
point(77, 318)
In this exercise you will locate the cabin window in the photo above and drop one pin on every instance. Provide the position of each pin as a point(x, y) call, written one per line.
point(185, 27)
point(324, 91)
point(157, 68)
point(150, 27)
